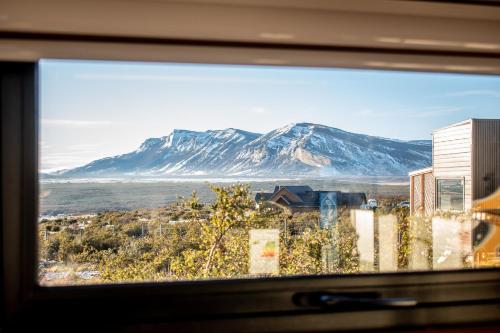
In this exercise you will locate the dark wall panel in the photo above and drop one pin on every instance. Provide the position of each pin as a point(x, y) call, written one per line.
point(486, 157)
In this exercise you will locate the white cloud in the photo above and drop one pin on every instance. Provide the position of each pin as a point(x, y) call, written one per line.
point(258, 109)
point(431, 111)
point(367, 112)
point(85, 146)
point(487, 93)
point(74, 123)
point(58, 161)
point(374, 114)
point(435, 111)
point(186, 78)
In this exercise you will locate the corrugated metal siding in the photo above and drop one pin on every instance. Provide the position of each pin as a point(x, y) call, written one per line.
point(429, 191)
point(486, 157)
point(412, 210)
point(417, 196)
point(452, 156)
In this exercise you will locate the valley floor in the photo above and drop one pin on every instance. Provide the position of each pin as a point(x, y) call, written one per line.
point(175, 240)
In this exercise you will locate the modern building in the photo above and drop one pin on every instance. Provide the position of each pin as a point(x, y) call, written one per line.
point(422, 191)
point(465, 167)
point(305, 199)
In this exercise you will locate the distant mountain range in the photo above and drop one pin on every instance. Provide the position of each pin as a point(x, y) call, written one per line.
point(299, 150)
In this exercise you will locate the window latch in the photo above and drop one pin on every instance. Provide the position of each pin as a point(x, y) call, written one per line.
point(365, 300)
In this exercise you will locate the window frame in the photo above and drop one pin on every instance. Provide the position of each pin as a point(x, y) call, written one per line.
point(446, 297)
point(462, 179)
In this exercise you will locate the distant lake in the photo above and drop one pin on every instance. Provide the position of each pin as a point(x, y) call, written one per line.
point(93, 196)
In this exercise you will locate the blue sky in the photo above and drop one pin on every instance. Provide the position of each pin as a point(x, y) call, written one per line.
point(94, 109)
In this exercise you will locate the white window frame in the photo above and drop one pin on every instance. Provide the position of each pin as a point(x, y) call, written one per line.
point(436, 191)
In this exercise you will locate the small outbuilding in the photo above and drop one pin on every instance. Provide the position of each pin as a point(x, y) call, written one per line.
point(465, 167)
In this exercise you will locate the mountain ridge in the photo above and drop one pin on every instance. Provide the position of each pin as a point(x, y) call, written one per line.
point(299, 149)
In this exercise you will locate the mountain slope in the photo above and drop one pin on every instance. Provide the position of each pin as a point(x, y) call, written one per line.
point(302, 149)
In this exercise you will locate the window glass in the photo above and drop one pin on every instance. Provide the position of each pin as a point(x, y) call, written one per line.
point(169, 172)
point(450, 194)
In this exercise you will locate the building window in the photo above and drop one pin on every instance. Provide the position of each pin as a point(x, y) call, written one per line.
point(450, 194)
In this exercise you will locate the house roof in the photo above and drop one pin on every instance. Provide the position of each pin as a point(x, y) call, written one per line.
point(465, 122)
point(420, 171)
point(305, 196)
point(263, 196)
point(453, 125)
point(284, 192)
point(294, 188)
point(352, 199)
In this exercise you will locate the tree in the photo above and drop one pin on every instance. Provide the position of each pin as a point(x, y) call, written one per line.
point(342, 246)
point(228, 212)
point(223, 250)
point(301, 254)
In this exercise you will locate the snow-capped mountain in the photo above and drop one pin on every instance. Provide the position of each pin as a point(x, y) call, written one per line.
point(302, 149)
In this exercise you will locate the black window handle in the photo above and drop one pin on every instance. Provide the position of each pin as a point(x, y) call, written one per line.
point(351, 300)
point(330, 300)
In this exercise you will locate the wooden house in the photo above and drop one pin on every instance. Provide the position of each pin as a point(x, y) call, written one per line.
point(305, 199)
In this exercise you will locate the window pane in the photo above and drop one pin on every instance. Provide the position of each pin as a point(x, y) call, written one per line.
point(168, 172)
point(450, 194)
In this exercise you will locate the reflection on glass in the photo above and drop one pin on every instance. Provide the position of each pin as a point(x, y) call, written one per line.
point(388, 242)
point(450, 194)
point(169, 172)
point(264, 251)
point(486, 231)
point(363, 222)
point(420, 243)
point(451, 239)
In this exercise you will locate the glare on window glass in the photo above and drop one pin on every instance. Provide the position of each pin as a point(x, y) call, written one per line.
point(450, 194)
point(168, 172)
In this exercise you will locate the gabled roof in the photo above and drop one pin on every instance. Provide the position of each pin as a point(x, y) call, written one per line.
point(282, 198)
point(262, 196)
point(294, 188)
point(284, 192)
